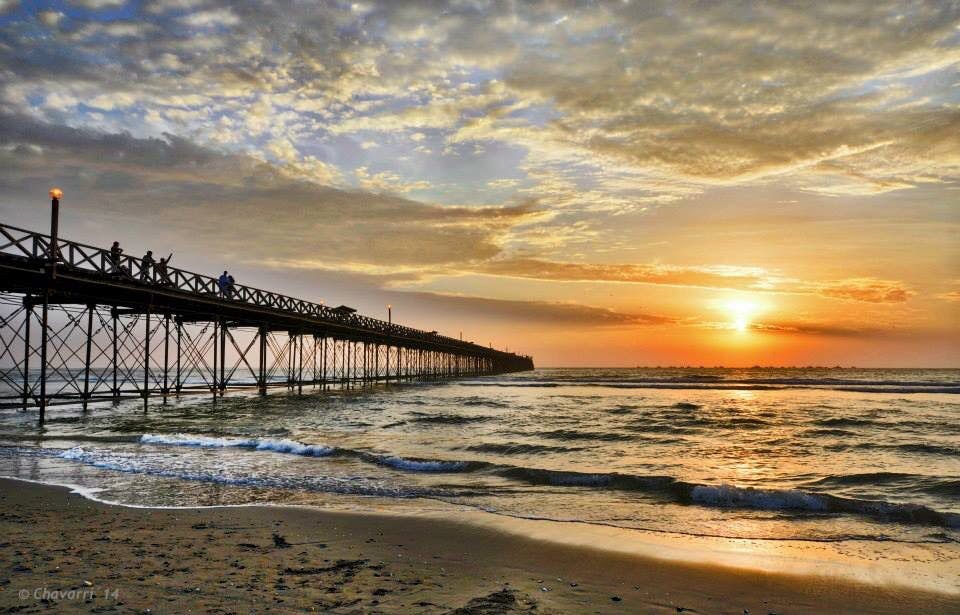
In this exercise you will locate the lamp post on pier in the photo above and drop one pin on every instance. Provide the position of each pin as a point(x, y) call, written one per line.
point(389, 314)
point(55, 195)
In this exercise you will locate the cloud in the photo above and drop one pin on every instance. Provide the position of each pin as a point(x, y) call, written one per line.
point(243, 206)
point(282, 219)
point(542, 312)
point(387, 182)
point(211, 18)
point(715, 277)
point(99, 4)
point(952, 296)
point(870, 290)
point(287, 134)
point(613, 106)
point(50, 18)
point(822, 329)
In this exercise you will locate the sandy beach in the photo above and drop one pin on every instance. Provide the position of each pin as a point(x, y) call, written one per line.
point(66, 553)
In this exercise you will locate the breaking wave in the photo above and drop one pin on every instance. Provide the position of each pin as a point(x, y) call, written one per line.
point(291, 447)
point(804, 498)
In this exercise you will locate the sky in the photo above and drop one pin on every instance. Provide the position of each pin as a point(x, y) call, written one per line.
point(593, 183)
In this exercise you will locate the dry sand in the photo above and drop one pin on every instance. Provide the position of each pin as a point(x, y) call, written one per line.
point(270, 559)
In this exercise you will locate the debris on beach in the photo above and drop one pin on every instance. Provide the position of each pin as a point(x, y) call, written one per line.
point(280, 542)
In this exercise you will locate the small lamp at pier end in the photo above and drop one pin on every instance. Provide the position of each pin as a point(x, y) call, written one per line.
point(389, 314)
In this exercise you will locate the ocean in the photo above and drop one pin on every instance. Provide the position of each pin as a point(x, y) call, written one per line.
point(812, 465)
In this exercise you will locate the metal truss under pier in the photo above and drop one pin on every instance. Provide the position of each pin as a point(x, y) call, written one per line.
point(86, 327)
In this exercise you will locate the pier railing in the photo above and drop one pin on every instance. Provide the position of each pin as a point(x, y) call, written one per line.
point(77, 256)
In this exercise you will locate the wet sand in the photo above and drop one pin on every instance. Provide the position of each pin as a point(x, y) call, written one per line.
point(60, 552)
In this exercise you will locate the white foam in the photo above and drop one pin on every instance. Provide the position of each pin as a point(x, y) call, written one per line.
point(294, 448)
point(730, 496)
point(200, 441)
point(291, 447)
point(413, 465)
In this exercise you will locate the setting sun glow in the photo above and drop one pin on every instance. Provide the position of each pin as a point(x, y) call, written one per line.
point(742, 313)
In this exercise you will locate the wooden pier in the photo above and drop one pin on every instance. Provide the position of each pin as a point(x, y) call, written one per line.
point(79, 326)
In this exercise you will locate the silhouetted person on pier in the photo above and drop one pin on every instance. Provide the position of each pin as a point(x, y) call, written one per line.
point(231, 286)
point(160, 269)
point(116, 256)
point(224, 283)
point(146, 263)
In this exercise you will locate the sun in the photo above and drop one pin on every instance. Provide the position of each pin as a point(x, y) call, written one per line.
point(741, 312)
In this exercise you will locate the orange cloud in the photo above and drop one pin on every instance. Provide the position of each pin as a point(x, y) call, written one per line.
point(710, 277)
point(870, 290)
point(543, 312)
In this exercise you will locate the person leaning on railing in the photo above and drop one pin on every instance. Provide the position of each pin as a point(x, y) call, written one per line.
point(160, 271)
point(227, 285)
point(116, 258)
point(145, 264)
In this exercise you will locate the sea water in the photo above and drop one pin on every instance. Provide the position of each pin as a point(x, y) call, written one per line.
point(843, 464)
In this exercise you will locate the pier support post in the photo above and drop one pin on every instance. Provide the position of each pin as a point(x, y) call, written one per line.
point(178, 382)
point(28, 312)
point(216, 350)
point(115, 317)
point(146, 361)
point(223, 356)
point(262, 377)
point(300, 372)
point(86, 356)
point(166, 355)
point(43, 354)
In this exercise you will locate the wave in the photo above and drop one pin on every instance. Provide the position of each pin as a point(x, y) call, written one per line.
point(726, 496)
point(931, 449)
point(420, 465)
point(519, 448)
point(693, 378)
point(866, 478)
point(815, 433)
point(917, 483)
point(669, 489)
point(924, 448)
point(576, 434)
point(291, 447)
point(612, 480)
point(326, 484)
point(743, 385)
point(33, 438)
point(843, 421)
point(744, 422)
point(447, 419)
point(479, 401)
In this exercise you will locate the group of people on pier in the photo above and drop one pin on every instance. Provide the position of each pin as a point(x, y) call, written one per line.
point(154, 271)
point(151, 270)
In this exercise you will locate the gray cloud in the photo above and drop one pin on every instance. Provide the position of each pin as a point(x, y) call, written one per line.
point(680, 93)
point(542, 312)
point(242, 205)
